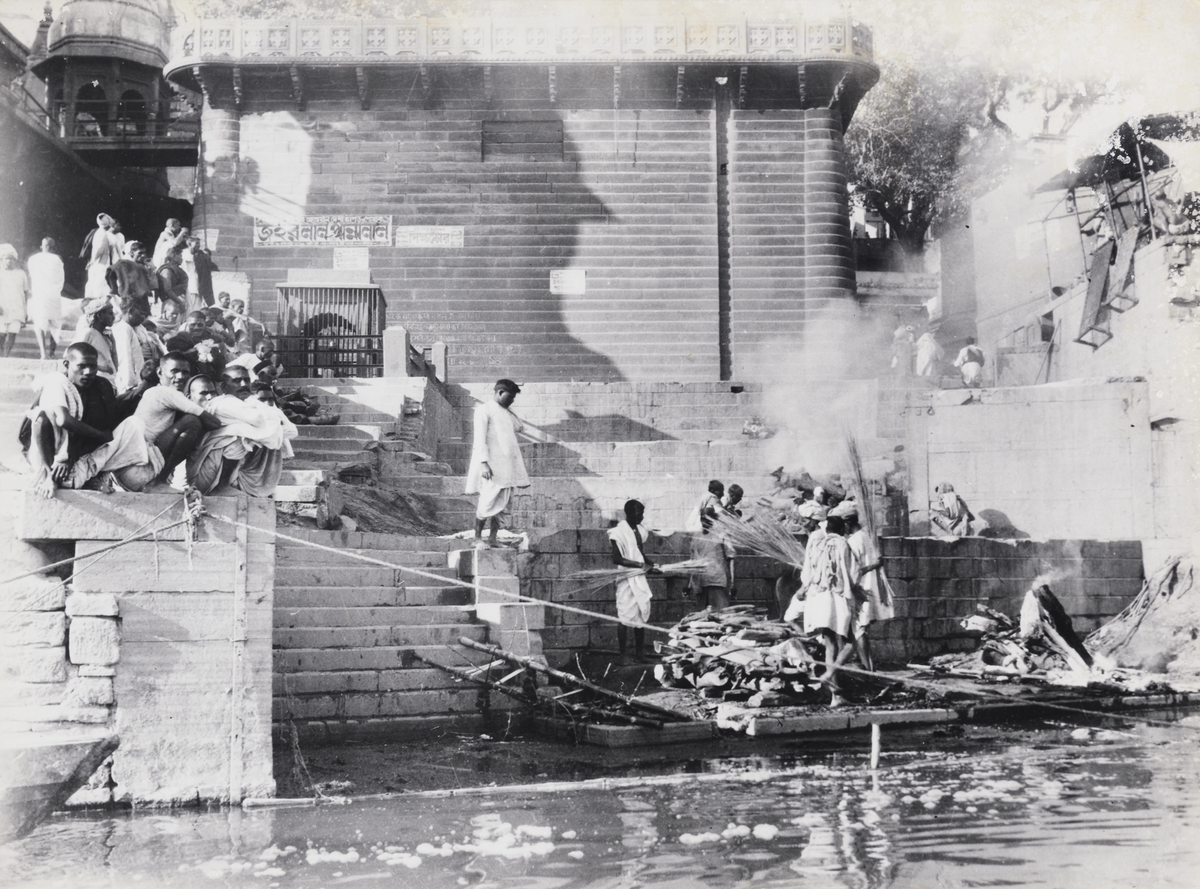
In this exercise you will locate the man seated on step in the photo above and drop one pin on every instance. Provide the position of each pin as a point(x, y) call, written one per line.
point(75, 413)
point(246, 453)
point(164, 429)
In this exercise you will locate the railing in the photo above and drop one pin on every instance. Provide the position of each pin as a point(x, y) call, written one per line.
point(723, 36)
point(133, 130)
point(331, 356)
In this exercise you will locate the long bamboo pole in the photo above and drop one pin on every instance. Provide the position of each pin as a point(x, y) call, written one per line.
point(627, 700)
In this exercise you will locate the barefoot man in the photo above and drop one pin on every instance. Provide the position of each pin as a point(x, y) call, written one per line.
point(497, 468)
point(76, 412)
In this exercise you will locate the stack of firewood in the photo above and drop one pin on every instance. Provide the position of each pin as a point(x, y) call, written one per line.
point(736, 652)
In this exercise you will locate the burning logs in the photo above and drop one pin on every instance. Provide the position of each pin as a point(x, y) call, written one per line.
point(736, 652)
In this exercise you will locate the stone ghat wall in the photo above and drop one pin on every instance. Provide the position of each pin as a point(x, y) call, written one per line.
point(937, 583)
point(632, 202)
point(167, 644)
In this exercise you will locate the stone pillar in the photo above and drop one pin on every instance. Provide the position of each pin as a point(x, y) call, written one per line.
point(514, 626)
point(828, 255)
point(220, 191)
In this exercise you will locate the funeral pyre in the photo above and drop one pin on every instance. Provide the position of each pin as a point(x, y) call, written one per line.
point(1041, 645)
point(737, 654)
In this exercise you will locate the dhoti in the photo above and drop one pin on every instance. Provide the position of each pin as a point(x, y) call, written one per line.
point(493, 499)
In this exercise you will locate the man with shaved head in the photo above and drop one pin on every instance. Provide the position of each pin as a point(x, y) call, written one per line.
point(75, 413)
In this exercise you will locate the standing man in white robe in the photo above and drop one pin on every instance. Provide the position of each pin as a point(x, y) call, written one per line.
point(497, 468)
point(627, 541)
point(46, 279)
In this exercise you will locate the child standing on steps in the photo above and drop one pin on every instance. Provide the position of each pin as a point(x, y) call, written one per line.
point(497, 468)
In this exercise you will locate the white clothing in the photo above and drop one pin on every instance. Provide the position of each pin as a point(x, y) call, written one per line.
point(829, 603)
point(875, 608)
point(970, 362)
point(130, 448)
point(130, 356)
point(247, 360)
point(496, 444)
point(633, 593)
point(929, 353)
point(493, 499)
point(165, 244)
point(46, 280)
point(253, 433)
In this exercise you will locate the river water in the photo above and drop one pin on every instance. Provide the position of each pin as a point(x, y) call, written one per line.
point(1064, 807)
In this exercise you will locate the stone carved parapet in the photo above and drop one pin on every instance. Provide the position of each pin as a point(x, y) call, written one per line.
point(675, 39)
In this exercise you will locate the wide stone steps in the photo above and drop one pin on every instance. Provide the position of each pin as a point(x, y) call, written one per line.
point(356, 575)
point(294, 557)
point(628, 458)
point(368, 597)
point(375, 636)
point(347, 632)
point(352, 616)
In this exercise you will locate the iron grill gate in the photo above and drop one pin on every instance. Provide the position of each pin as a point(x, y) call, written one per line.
point(331, 330)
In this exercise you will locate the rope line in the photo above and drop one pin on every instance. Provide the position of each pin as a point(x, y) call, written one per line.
point(441, 579)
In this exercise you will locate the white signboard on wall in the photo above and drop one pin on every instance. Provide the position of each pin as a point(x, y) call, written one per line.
point(449, 236)
point(568, 282)
point(351, 258)
point(208, 237)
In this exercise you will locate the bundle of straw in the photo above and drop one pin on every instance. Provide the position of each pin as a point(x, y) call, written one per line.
point(599, 578)
point(762, 538)
point(866, 515)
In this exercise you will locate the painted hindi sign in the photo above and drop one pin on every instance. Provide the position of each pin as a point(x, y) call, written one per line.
point(325, 231)
point(450, 236)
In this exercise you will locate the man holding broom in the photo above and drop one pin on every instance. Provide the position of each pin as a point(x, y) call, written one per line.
point(628, 540)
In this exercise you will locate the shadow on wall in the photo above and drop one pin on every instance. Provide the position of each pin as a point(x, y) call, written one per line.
point(490, 299)
point(999, 526)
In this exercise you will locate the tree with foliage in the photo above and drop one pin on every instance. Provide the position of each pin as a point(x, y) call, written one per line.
point(918, 140)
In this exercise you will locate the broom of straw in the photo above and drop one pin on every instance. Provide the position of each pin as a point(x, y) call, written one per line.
point(866, 515)
point(761, 538)
point(599, 578)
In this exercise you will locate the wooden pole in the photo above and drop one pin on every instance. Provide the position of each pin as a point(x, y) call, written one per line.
point(238, 638)
point(875, 738)
point(627, 700)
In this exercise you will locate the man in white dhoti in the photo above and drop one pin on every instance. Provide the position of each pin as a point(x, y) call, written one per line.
point(970, 362)
point(829, 607)
point(172, 237)
point(877, 603)
point(46, 279)
point(929, 353)
point(497, 468)
point(628, 541)
point(103, 246)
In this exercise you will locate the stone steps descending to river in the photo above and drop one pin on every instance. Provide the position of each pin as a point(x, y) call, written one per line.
point(347, 631)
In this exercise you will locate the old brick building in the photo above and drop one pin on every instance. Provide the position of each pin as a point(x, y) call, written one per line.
point(555, 199)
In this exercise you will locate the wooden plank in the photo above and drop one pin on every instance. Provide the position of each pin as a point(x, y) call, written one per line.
point(1120, 270)
point(637, 736)
point(1096, 282)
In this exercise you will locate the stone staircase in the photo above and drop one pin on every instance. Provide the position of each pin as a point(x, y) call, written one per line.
point(657, 442)
point(346, 633)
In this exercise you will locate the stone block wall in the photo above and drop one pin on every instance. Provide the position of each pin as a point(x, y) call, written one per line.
point(167, 643)
point(937, 583)
point(626, 198)
point(1072, 460)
